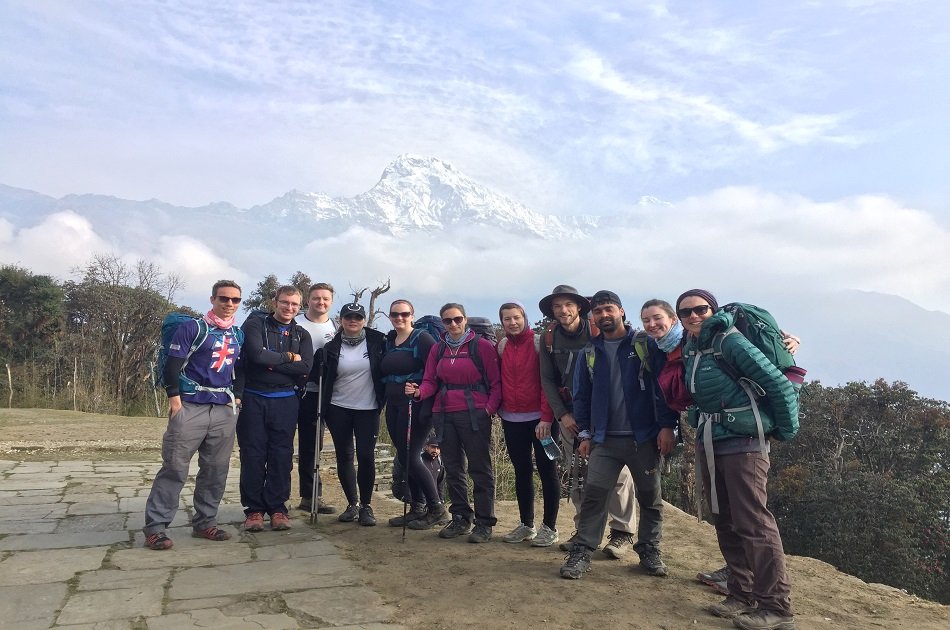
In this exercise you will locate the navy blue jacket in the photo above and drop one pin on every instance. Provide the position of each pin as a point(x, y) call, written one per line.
point(646, 409)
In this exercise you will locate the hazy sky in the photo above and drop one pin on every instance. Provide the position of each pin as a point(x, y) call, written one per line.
point(563, 106)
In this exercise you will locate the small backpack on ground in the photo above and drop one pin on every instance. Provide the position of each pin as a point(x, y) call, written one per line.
point(169, 325)
point(431, 324)
point(483, 326)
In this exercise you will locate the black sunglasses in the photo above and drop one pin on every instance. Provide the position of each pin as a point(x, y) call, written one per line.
point(395, 314)
point(453, 320)
point(700, 310)
point(223, 299)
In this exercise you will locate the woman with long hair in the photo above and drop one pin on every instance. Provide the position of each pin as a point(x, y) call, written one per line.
point(403, 361)
point(526, 419)
point(462, 375)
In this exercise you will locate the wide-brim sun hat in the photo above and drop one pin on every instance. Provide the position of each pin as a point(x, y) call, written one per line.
point(564, 290)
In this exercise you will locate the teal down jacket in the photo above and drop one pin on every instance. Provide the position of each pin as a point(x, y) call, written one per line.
point(715, 392)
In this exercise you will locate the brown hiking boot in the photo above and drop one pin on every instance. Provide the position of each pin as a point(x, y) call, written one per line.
point(211, 533)
point(730, 607)
point(619, 543)
point(763, 620)
point(158, 541)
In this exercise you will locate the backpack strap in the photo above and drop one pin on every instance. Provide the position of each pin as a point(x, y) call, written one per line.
point(482, 386)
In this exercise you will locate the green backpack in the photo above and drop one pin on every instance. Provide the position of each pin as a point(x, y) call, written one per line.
point(758, 326)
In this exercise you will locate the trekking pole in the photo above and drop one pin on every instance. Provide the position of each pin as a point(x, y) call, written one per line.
point(405, 477)
point(315, 491)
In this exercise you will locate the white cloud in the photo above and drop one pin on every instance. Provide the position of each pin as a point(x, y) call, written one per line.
point(60, 242)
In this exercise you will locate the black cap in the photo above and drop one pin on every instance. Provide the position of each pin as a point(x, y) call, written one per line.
point(605, 297)
point(564, 290)
point(353, 309)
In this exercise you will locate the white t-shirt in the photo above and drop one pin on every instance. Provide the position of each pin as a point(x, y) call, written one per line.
point(320, 334)
point(353, 387)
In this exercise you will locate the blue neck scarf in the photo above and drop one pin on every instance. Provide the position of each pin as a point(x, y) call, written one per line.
point(669, 341)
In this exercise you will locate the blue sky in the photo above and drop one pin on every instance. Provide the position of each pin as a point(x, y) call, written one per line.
point(566, 107)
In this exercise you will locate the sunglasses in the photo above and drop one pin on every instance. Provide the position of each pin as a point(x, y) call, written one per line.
point(448, 321)
point(395, 314)
point(225, 299)
point(701, 310)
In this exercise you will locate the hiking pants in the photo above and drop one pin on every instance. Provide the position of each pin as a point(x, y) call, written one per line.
point(607, 459)
point(209, 431)
point(265, 433)
point(520, 441)
point(306, 441)
point(466, 451)
point(621, 504)
point(421, 487)
point(344, 425)
point(748, 534)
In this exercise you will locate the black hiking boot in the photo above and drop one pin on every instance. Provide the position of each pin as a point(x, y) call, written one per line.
point(458, 527)
point(577, 563)
point(417, 511)
point(651, 562)
point(481, 534)
point(436, 514)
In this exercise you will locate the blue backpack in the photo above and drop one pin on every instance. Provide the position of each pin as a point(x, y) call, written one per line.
point(169, 325)
point(411, 345)
point(431, 324)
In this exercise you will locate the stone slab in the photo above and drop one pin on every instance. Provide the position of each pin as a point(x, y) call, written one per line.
point(30, 606)
point(269, 575)
point(132, 504)
point(112, 624)
point(93, 508)
point(342, 605)
point(183, 605)
point(34, 512)
point(17, 484)
point(207, 554)
point(41, 567)
point(89, 497)
point(17, 542)
point(92, 522)
point(36, 527)
point(307, 549)
point(28, 500)
point(216, 620)
point(119, 603)
point(113, 578)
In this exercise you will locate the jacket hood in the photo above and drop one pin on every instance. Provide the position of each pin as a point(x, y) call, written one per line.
point(719, 322)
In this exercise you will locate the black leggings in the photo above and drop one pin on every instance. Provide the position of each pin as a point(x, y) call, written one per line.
point(421, 486)
point(344, 424)
point(519, 439)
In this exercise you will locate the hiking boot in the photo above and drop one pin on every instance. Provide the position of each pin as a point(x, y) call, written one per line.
point(458, 527)
point(158, 541)
point(417, 511)
point(279, 521)
point(325, 508)
point(651, 562)
point(577, 563)
point(545, 538)
point(763, 620)
point(718, 579)
point(350, 514)
point(730, 607)
point(211, 533)
point(520, 534)
point(481, 534)
point(435, 514)
point(367, 518)
point(254, 522)
point(618, 543)
point(568, 544)
point(304, 505)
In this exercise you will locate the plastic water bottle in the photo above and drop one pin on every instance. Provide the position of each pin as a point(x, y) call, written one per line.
point(551, 448)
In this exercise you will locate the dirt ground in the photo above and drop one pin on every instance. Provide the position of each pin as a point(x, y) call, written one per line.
point(437, 583)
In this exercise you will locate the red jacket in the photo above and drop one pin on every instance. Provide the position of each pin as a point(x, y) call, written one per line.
point(521, 376)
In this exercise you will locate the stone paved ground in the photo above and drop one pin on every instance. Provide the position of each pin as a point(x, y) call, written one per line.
point(71, 556)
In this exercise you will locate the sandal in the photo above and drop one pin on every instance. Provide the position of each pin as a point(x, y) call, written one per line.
point(212, 533)
point(158, 542)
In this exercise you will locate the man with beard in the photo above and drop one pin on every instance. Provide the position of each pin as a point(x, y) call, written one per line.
point(562, 344)
point(621, 423)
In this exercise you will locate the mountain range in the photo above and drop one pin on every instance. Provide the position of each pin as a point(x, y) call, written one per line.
point(417, 225)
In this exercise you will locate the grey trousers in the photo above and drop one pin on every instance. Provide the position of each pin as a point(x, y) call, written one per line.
point(606, 461)
point(467, 453)
point(209, 431)
point(621, 504)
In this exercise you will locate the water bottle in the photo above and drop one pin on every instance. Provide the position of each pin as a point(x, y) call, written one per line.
point(551, 448)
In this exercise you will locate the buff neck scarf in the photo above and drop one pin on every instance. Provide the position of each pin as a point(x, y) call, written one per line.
point(214, 320)
point(669, 341)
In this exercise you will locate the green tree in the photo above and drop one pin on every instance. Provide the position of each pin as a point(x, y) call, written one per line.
point(31, 313)
point(262, 297)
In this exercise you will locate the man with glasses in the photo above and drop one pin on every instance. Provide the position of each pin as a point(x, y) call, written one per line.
point(202, 410)
point(277, 356)
point(621, 423)
point(316, 319)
